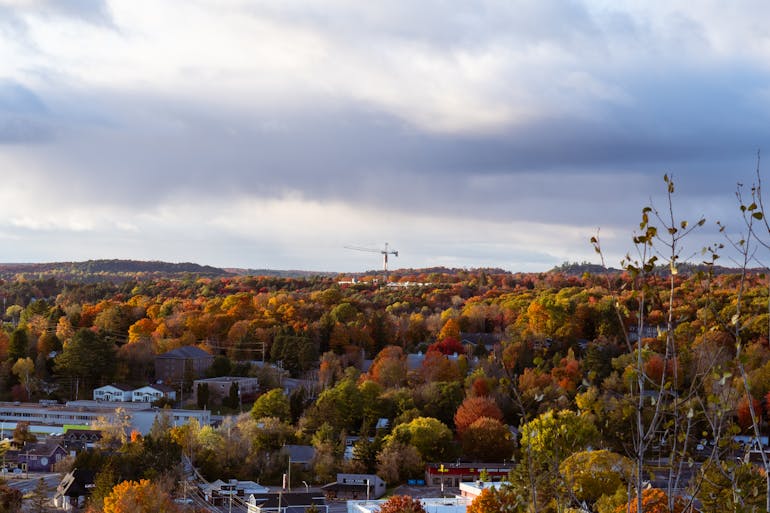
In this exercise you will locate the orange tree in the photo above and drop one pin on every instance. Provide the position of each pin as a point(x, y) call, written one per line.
point(654, 500)
point(402, 504)
point(497, 500)
point(472, 409)
point(139, 497)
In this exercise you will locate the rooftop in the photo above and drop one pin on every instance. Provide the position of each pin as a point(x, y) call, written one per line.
point(186, 352)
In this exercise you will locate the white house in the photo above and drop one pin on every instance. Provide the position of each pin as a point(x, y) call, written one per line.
point(115, 393)
point(150, 393)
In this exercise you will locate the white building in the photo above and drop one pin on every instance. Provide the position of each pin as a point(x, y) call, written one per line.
point(151, 393)
point(113, 393)
point(50, 418)
point(474, 489)
point(432, 505)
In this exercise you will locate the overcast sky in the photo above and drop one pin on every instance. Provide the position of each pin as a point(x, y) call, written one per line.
point(264, 134)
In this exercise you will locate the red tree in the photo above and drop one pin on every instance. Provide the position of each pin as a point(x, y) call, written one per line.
point(744, 413)
point(402, 504)
point(472, 409)
point(447, 346)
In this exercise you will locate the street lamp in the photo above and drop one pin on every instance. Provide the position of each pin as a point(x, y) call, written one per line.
point(443, 470)
point(307, 486)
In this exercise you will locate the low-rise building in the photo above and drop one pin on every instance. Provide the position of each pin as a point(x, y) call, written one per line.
point(219, 492)
point(36, 457)
point(431, 505)
point(474, 489)
point(355, 486)
point(289, 502)
point(49, 418)
point(74, 489)
point(78, 439)
point(113, 393)
point(452, 474)
point(152, 393)
point(219, 388)
point(182, 363)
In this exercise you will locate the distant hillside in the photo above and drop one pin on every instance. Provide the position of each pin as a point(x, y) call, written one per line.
point(291, 273)
point(578, 269)
point(116, 270)
point(575, 269)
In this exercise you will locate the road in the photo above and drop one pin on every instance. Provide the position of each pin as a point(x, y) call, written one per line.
point(26, 485)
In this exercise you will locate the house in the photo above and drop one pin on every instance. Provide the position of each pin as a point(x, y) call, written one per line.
point(301, 455)
point(151, 393)
point(290, 502)
point(78, 439)
point(36, 457)
point(73, 489)
point(355, 486)
point(219, 492)
point(182, 363)
point(219, 388)
point(113, 393)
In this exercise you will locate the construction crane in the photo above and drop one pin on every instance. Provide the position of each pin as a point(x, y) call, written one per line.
point(384, 252)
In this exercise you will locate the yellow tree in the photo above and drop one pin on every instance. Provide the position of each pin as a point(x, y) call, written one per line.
point(24, 368)
point(139, 497)
point(451, 329)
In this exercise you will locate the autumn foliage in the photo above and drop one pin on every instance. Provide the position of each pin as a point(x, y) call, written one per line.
point(474, 408)
point(139, 497)
point(744, 412)
point(495, 500)
point(654, 500)
point(402, 504)
point(487, 440)
point(447, 346)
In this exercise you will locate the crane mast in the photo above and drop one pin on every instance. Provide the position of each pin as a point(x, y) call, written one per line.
point(385, 252)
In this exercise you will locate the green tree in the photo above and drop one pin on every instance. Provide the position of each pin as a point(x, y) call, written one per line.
point(593, 474)
point(297, 354)
point(429, 436)
point(340, 406)
point(440, 400)
point(546, 441)
point(19, 345)
point(202, 395)
point(233, 399)
point(553, 436)
point(87, 357)
point(272, 404)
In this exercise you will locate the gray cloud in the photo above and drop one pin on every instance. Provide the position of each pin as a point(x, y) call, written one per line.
point(602, 102)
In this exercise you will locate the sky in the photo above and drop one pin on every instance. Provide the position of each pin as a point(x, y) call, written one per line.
point(263, 134)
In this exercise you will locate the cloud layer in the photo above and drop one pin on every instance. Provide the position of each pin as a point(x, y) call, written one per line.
point(263, 134)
